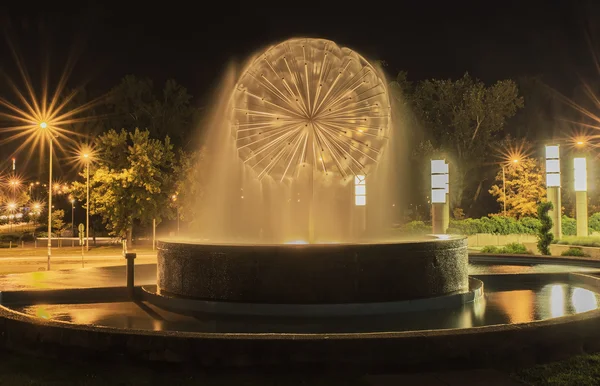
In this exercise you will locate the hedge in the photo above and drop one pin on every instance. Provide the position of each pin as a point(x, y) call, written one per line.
point(499, 225)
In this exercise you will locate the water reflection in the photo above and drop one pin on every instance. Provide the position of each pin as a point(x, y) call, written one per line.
point(583, 300)
point(557, 301)
point(500, 306)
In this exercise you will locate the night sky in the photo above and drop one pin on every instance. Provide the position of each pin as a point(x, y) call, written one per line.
point(193, 43)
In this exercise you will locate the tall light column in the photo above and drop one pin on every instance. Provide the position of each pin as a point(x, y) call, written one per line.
point(360, 205)
point(439, 196)
point(553, 188)
point(447, 205)
point(581, 201)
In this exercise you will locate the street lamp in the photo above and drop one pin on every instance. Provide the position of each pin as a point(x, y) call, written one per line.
point(174, 198)
point(72, 221)
point(43, 126)
point(86, 158)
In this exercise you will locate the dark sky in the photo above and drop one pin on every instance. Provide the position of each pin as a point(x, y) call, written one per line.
point(192, 42)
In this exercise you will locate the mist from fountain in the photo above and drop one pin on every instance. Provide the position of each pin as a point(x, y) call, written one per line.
point(288, 136)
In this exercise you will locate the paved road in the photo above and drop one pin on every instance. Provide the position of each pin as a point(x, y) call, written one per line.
point(19, 264)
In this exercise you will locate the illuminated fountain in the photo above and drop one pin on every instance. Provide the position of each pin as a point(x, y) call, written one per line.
point(300, 190)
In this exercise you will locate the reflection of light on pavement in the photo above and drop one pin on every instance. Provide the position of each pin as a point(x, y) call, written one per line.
point(583, 300)
point(557, 301)
point(518, 305)
point(41, 312)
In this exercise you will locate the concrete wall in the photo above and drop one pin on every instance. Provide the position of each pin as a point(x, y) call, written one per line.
point(483, 239)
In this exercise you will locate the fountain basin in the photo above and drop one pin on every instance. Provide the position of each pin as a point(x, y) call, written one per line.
point(314, 273)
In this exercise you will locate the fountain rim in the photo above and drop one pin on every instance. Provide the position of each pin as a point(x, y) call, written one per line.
point(429, 240)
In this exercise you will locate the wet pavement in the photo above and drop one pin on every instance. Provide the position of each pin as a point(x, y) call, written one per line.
point(95, 277)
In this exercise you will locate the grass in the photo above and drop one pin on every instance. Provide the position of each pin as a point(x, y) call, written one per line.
point(590, 241)
point(17, 369)
point(582, 370)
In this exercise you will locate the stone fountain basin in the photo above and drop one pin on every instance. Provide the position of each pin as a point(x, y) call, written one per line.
point(313, 273)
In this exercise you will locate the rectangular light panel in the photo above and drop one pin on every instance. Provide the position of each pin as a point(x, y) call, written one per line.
point(552, 180)
point(552, 166)
point(439, 166)
point(438, 196)
point(439, 181)
point(552, 152)
point(580, 174)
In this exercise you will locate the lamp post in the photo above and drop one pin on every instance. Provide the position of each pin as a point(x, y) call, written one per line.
point(44, 126)
point(553, 187)
point(174, 198)
point(86, 157)
point(72, 222)
point(439, 196)
point(581, 205)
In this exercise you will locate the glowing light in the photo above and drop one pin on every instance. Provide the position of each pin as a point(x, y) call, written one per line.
point(580, 174)
point(440, 181)
point(552, 166)
point(300, 103)
point(42, 115)
point(360, 190)
point(297, 242)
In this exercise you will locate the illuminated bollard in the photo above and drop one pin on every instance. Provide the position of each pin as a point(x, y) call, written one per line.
point(440, 212)
point(581, 201)
point(553, 188)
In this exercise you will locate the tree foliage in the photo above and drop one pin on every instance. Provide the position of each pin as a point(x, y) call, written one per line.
point(463, 118)
point(134, 103)
point(132, 182)
point(525, 187)
point(544, 235)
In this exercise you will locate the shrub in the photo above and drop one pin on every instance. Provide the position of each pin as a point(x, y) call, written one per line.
point(574, 251)
point(568, 226)
point(515, 248)
point(416, 228)
point(594, 222)
point(508, 249)
point(6, 237)
point(490, 249)
point(544, 235)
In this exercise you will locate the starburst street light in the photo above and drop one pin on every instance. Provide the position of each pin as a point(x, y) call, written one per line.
point(511, 155)
point(84, 156)
point(43, 116)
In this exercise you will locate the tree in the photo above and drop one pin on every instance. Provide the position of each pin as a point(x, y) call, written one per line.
point(463, 119)
point(133, 103)
point(132, 181)
point(544, 235)
point(58, 223)
point(189, 181)
point(525, 187)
